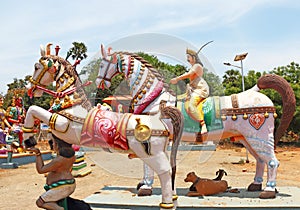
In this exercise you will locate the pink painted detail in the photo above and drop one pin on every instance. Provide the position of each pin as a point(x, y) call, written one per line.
point(153, 95)
point(257, 120)
point(100, 130)
point(54, 93)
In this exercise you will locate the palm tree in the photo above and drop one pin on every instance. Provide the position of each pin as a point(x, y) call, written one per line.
point(78, 51)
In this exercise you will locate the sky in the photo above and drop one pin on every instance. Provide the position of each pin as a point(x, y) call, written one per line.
point(268, 30)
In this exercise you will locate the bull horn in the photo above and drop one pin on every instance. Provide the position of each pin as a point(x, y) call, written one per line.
point(48, 48)
point(42, 50)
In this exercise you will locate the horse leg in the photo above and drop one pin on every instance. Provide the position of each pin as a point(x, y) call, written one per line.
point(36, 112)
point(159, 163)
point(265, 151)
point(256, 185)
point(270, 190)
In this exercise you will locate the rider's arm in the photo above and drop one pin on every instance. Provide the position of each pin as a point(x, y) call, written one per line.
point(186, 75)
point(39, 162)
point(52, 166)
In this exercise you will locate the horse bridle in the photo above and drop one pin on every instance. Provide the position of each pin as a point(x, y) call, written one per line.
point(40, 76)
point(107, 68)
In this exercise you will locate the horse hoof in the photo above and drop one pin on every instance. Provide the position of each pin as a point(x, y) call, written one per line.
point(267, 194)
point(30, 142)
point(174, 197)
point(139, 185)
point(254, 187)
point(199, 137)
point(166, 205)
point(145, 191)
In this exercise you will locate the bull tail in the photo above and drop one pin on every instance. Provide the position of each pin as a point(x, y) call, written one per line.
point(275, 82)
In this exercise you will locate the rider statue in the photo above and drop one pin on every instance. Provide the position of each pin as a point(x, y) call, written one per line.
point(197, 90)
point(16, 115)
point(4, 124)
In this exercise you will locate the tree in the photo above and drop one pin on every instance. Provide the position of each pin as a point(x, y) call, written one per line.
point(291, 73)
point(78, 51)
point(17, 88)
point(232, 81)
point(216, 87)
point(251, 78)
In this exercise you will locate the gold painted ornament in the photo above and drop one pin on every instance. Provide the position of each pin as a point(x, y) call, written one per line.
point(266, 115)
point(141, 132)
point(234, 117)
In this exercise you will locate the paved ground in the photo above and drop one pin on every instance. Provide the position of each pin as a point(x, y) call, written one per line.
point(19, 188)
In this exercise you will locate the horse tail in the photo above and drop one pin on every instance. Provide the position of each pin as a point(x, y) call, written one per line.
point(278, 83)
point(177, 121)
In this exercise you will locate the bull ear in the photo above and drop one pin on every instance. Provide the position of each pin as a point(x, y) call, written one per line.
point(42, 50)
point(104, 55)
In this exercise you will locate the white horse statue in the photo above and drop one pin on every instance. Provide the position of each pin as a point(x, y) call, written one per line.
point(247, 116)
point(72, 119)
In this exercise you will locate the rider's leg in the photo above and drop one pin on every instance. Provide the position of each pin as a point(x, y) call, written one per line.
point(48, 205)
point(196, 109)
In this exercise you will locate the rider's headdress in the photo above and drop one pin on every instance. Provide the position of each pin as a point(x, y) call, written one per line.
point(191, 52)
point(194, 53)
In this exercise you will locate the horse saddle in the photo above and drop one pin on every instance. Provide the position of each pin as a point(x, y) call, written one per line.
point(212, 115)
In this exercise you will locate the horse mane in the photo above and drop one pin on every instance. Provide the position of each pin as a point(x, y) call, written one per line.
point(151, 69)
point(69, 68)
point(71, 71)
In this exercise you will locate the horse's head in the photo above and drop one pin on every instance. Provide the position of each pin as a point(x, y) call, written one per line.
point(43, 74)
point(108, 68)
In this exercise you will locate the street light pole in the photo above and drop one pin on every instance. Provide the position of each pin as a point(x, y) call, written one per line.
point(239, 57)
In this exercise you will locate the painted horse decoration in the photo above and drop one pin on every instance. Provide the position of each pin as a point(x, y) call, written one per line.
point(73, 119)
point(247, 116)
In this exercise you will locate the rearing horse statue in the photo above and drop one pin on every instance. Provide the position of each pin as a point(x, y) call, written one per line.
point(73, 120)
point(247, 116)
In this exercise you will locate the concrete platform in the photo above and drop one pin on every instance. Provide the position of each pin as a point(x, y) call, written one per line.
point(125, 198)
point(24, 158)
point(195, 147)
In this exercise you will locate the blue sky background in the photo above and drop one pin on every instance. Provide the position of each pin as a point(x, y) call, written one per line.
point(267, 29)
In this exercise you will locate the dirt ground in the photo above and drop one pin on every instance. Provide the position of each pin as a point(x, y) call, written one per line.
point(19, 188)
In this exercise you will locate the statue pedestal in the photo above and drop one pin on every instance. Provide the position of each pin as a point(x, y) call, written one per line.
point(9, 165)
point(126, 198)
point(21, 158)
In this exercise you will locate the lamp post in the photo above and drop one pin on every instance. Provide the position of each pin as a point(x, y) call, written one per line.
point(239, 57)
